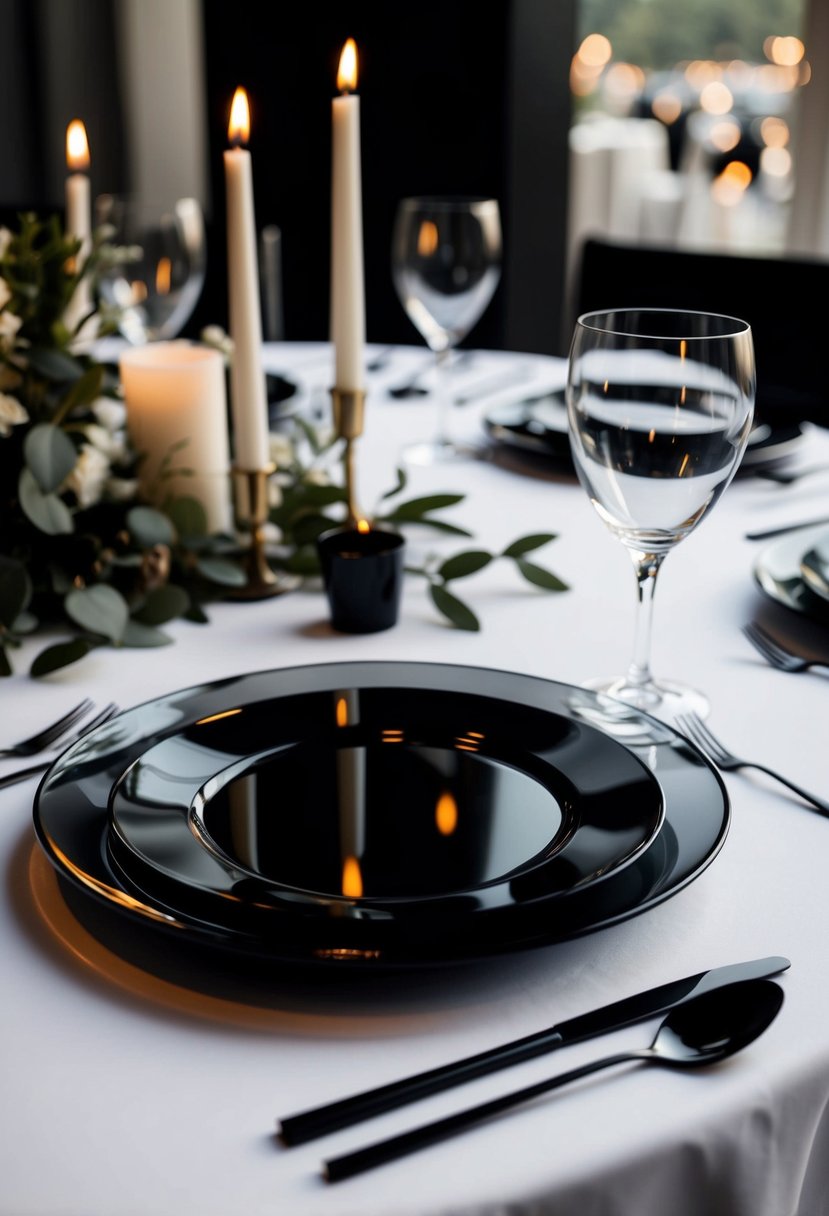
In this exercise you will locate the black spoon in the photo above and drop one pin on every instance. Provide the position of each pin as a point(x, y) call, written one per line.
point(700, 1031)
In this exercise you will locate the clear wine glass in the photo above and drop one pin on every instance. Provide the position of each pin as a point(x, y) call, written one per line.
point(156, 276)
point(446, 265)
point(660, 404)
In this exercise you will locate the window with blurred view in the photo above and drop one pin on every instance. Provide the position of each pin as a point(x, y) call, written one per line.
point(683, 116)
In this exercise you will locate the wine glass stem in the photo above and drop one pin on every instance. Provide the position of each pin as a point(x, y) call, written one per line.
point(647, 567)
point(442, 359)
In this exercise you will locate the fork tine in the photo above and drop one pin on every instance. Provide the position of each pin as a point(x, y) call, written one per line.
point(699, 733)
point(766, 645)
point(109, 711)
point(41, 740)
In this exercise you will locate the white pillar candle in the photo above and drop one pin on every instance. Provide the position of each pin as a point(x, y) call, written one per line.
point(78, 217)
point(348, 323)
point(248, 394)
point(175, 395)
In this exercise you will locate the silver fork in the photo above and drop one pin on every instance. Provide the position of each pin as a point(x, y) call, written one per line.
point(43, 738)
point(776, 654)
point(21, 774)
point(700, 734)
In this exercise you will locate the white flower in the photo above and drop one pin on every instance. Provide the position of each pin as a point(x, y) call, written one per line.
point(280, 450)
point(215, 336)
point(317, 477)
point(89, 476)
point(113, 444)
point(12, 414)
point(110, 413)
point(121, 489)
point(9, 325)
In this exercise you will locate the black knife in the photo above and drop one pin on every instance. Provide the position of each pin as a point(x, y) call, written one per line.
point(309, 1124)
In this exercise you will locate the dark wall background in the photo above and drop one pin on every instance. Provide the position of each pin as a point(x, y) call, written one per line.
point(457, 97)
point(432, 101)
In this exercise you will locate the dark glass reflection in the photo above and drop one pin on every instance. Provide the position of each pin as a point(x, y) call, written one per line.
point(416, 820)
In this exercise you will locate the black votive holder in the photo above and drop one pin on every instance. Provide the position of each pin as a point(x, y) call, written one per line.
point(363, 577)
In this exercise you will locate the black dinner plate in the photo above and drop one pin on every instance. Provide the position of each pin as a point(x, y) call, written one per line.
point(778, 572)
point(539, 425)
point(265, 873)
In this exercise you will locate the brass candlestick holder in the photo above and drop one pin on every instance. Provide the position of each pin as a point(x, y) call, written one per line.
point(349, 415)
point(251, 511)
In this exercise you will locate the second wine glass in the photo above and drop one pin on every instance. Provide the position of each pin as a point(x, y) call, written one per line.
point(660, 403)
point(446, 265)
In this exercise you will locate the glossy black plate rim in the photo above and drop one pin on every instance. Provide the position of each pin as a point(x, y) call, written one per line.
point(158, 868)
point(695, 828)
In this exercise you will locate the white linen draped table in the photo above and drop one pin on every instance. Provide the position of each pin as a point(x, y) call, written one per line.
point(123, 1094)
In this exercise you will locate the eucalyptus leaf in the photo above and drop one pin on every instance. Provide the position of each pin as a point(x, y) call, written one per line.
point(463, 564)
point(100, 609)
point(54, 364)
point(540, 577)
point(219, 570)
point(138, 635)
point(61, 655)
point(197, 614)
point(150, 527)
point(188, 516)
point(416, 508)
point(439, 525)
point(15, 590)
point(161, 605)
point(83, 392)
point(453, 608)
point(525, 544)
point(402, 482)
point(25, 623)
point(47, 512)
point(50, 454)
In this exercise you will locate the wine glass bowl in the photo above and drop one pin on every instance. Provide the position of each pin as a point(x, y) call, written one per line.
point(155, 273)
point(446, 265)
point(660, 404)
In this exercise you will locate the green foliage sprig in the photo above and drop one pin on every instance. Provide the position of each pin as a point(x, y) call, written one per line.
point(80, 552)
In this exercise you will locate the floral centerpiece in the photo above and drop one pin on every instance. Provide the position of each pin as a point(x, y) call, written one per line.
point(81, 557)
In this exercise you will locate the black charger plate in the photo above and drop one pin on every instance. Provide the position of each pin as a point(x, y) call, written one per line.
point(496, 877)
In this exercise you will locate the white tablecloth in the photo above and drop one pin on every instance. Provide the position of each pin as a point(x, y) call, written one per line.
point(124, 1095)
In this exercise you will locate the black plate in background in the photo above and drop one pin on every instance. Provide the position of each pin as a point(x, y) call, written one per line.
point(72, 823)
point(777, 571)
point(540, 425)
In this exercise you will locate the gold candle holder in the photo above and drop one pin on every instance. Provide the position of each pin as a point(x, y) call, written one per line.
point(251, 511)
point(349, 415)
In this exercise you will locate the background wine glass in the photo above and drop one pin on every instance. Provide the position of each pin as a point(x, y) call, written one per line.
point(446, 265)
point(660, 404)
point(156, 282)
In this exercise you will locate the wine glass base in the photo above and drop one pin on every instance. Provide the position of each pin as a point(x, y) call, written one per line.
point(436, 451)
point(663, 699)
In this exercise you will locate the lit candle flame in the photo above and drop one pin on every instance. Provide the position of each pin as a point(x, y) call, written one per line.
point(347, 71)
point(77, 147)
point(352, 879)
point(363, 526)
point(341, 711)
point(163, 276)
point(427, 239)
point(238, 128)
